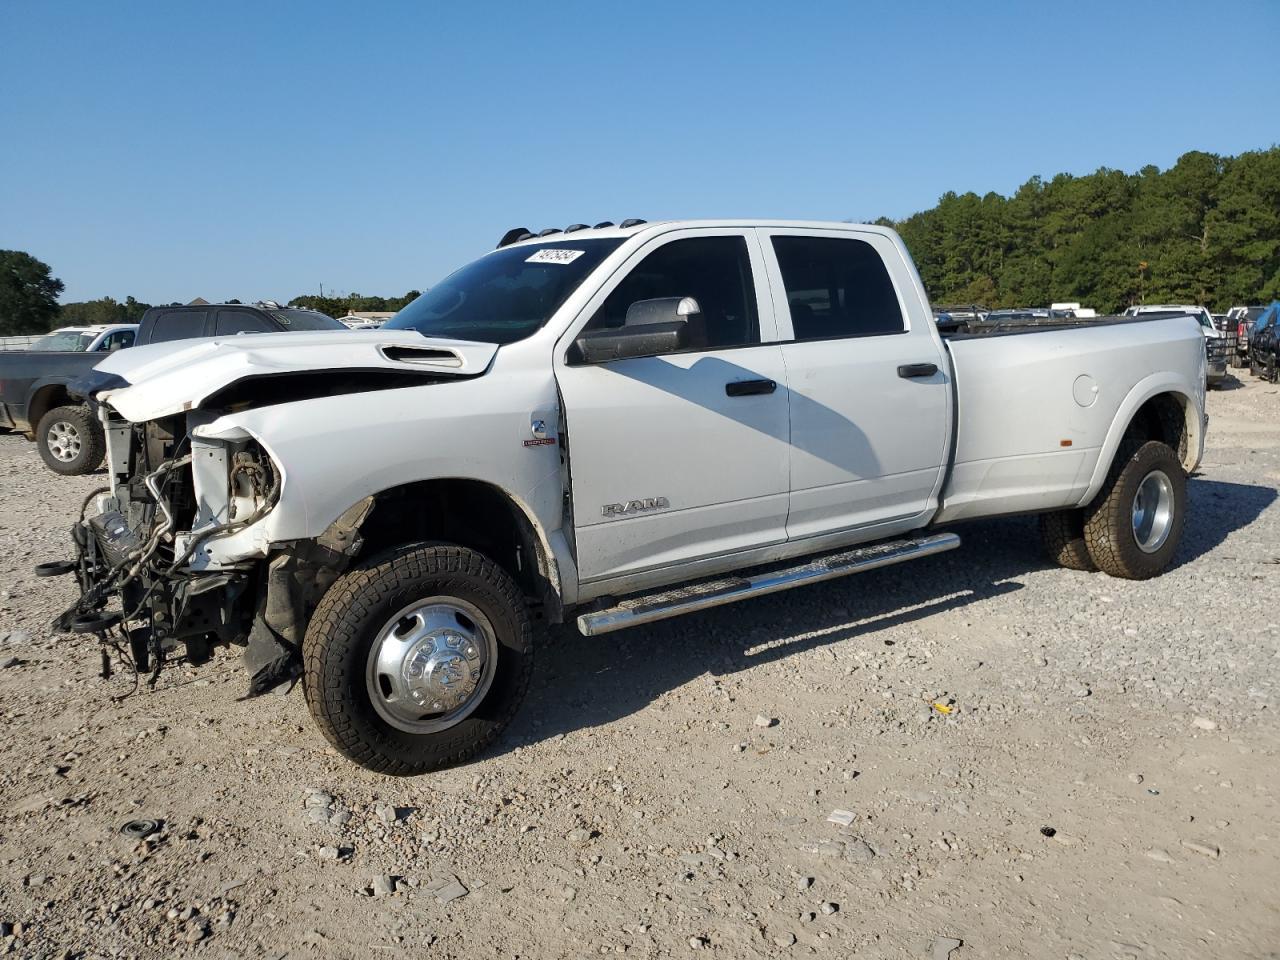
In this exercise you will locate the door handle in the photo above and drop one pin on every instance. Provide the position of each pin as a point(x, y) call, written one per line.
point(749, 388)
point(909, 371)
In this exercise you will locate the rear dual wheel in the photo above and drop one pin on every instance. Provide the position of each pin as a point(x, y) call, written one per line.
point(1062, 535)
point(1133, 527)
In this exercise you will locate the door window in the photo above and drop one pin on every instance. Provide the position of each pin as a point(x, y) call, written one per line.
point(117, 341)
point(178, 325)
point(241, 321)
point(715, 271)
point(837, 287)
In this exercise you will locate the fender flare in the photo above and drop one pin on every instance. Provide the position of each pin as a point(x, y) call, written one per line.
point(1143, 391)
point(34, 390)
point(550, 560)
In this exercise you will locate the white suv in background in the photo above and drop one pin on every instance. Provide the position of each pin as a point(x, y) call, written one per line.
point(1215, 351)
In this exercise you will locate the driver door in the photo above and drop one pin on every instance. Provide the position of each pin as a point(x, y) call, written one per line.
point(679, 457)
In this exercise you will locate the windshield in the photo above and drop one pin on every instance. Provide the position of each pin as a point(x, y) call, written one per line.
point(306, 320)
point(505, 296)
point(65, 340)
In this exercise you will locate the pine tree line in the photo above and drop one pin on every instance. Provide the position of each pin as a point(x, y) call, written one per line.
point(1205, 231)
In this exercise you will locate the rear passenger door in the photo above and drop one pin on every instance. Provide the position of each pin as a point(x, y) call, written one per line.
point(870, 401)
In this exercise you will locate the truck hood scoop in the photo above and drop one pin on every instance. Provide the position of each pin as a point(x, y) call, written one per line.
point(167, 378)
point(429, 356)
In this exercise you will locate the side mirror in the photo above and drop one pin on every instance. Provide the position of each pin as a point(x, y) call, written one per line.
point(661, 310)
point(651, 328)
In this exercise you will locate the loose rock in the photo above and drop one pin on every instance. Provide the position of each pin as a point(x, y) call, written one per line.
point(1202, 847)
point(943, 947)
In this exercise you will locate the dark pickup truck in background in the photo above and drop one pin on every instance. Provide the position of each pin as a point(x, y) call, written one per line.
point(34, 394)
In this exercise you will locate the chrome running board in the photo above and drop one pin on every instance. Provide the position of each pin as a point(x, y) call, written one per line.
point(647, 608)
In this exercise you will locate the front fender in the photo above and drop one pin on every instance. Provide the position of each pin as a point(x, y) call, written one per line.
point(334, 451)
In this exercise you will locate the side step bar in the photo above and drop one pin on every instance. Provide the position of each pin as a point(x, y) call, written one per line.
point(647, 608)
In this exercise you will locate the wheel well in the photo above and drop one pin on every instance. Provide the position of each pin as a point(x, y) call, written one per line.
point(44, 400)
point(1163, 418)
point(469, 513)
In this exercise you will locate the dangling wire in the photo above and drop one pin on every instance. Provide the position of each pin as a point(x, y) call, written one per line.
point(125, 661)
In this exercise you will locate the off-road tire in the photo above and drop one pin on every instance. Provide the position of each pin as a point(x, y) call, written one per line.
point(1062, 535)
point(93, 444)
point(1108, 520)
point(345, 624)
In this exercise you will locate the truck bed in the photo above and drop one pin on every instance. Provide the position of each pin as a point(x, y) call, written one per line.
point(966, 329)
point(1033, 413)
point(25, 372)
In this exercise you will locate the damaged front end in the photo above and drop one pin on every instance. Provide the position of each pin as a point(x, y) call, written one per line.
point(172, 555)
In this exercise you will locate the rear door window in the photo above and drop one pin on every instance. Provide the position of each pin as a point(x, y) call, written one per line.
point(231, 322)
point(178, 325)
point(837, 287)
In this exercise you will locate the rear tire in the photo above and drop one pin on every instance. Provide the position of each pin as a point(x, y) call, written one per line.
point(70, 441)
point(366, 700)
point(1062, 535)
point(1133, 527)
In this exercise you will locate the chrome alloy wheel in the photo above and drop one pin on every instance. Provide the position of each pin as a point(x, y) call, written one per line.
point(1153, 511)
point(64, 441)
point(431, 665)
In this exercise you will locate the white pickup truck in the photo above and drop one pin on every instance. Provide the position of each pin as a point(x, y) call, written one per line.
point(615, 424)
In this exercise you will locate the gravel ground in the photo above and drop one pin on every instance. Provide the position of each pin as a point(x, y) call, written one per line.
point(1097, 780)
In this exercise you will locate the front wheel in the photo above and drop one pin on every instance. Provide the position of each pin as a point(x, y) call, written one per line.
point(418, 660)
point(70, 441)
point(1133, 527)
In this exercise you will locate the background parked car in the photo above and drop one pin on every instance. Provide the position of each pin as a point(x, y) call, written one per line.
point(101, 337)
point(1243, 320)
point(34, 384)
point(1218, 344)
point(1264, 343)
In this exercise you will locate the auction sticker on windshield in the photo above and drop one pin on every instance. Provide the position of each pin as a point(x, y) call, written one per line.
point(554, 255)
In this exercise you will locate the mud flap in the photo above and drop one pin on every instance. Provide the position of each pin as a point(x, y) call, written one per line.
point(270, 660)
point(295, 580)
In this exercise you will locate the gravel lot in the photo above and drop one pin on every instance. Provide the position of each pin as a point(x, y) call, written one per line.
point(666, 791)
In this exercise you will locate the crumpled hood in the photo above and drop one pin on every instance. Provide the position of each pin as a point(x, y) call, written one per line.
point(167, 378)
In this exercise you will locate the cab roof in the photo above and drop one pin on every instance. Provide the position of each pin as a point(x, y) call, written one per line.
point(521, 236)
point(95, 328)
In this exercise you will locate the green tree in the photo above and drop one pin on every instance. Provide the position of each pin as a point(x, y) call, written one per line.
point(28, 294)
point(354, 302)
point(102, 310)
point(1206, 231)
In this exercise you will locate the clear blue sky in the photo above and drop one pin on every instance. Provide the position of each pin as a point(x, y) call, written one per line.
point(172, 150)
